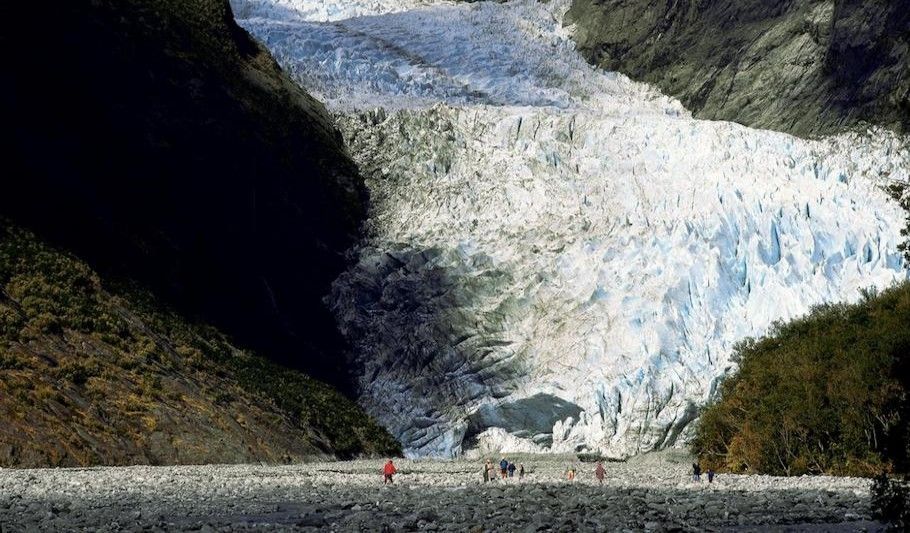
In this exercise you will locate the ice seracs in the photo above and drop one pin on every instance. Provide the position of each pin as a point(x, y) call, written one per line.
point(558, 258)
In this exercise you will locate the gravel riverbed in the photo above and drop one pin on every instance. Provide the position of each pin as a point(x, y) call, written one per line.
point(655, 495)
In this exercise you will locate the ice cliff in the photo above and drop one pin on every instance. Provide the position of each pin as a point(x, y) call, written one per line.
point(558, 258)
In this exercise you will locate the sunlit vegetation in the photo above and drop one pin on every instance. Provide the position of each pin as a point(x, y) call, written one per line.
point(826, 393)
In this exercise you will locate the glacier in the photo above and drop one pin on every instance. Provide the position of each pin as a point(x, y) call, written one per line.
point(558, 258)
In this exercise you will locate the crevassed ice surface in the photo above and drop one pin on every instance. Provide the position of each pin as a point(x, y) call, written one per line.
point(559, 258)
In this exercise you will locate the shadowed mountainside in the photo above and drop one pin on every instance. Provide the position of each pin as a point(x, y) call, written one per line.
point(158, 141)
point(807, 67)
point(98, 374)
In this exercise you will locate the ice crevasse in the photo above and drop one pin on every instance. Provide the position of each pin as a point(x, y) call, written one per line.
point(558, 258)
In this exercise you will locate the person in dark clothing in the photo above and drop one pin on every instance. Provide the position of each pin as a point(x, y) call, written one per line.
point(710, 475)
point(489, 471)
point(503, 468)
point(511, 469)
point(521, 471)
point(599, 472)
point(696, 472)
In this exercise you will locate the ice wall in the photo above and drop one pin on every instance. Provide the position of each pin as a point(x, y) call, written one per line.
point(558, 258)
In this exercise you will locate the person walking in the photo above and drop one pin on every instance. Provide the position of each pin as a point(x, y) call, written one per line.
point(710, 475)
point(511, 469)
point(599, 472)
point(503, 468)
point(388, 471)
point(570, 473)
point(490, 473)
point(696, 472)
point(521, 471)
point(486, 473)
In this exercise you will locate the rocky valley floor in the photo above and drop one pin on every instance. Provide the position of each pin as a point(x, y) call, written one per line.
point(654, 495)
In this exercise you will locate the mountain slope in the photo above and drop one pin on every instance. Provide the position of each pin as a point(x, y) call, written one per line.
point(806, 67)
point(93, 375)
point(160, 142)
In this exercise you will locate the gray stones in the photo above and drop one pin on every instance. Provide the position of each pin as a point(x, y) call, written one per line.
point(428, 496)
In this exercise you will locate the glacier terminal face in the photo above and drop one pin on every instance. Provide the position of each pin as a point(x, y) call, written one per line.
point(558, 258)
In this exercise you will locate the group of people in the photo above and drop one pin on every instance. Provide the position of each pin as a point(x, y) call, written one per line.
point(696, 473)
point(507, 469)
point(599, 472)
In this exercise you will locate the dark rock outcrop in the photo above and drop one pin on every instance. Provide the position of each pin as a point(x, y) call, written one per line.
point(160, 142)
point(807, 67)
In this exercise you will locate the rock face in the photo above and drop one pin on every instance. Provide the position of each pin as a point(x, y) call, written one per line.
point(807, 67)
point(558, 258)
point(97, 375)
point(160, 142)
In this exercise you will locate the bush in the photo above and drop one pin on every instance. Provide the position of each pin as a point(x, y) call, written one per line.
point(891, 501)
point(11, 361)
point(827, 393)
point(52, 290)
point(79, 371)
point(151, 386)
point(11, 322)
point(96, 389)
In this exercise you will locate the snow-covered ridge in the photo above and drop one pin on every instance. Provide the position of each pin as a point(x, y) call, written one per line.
point(559, 258)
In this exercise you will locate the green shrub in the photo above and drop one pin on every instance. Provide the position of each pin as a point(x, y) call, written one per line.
point(827, 393)
point(79, 371)
point(151, 385)
point(891, 501)
point(11, 361)
point(42, 323)
point(11, 322)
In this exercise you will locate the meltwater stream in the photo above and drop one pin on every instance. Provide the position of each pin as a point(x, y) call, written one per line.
point(559, 258)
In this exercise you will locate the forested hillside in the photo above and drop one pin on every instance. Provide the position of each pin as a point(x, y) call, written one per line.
point(827, 393)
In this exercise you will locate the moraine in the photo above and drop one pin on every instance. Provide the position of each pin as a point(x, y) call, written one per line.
point(427, 495)
point(558, 258)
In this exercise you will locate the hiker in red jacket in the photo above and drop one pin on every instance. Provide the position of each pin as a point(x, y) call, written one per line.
point(388, 471)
